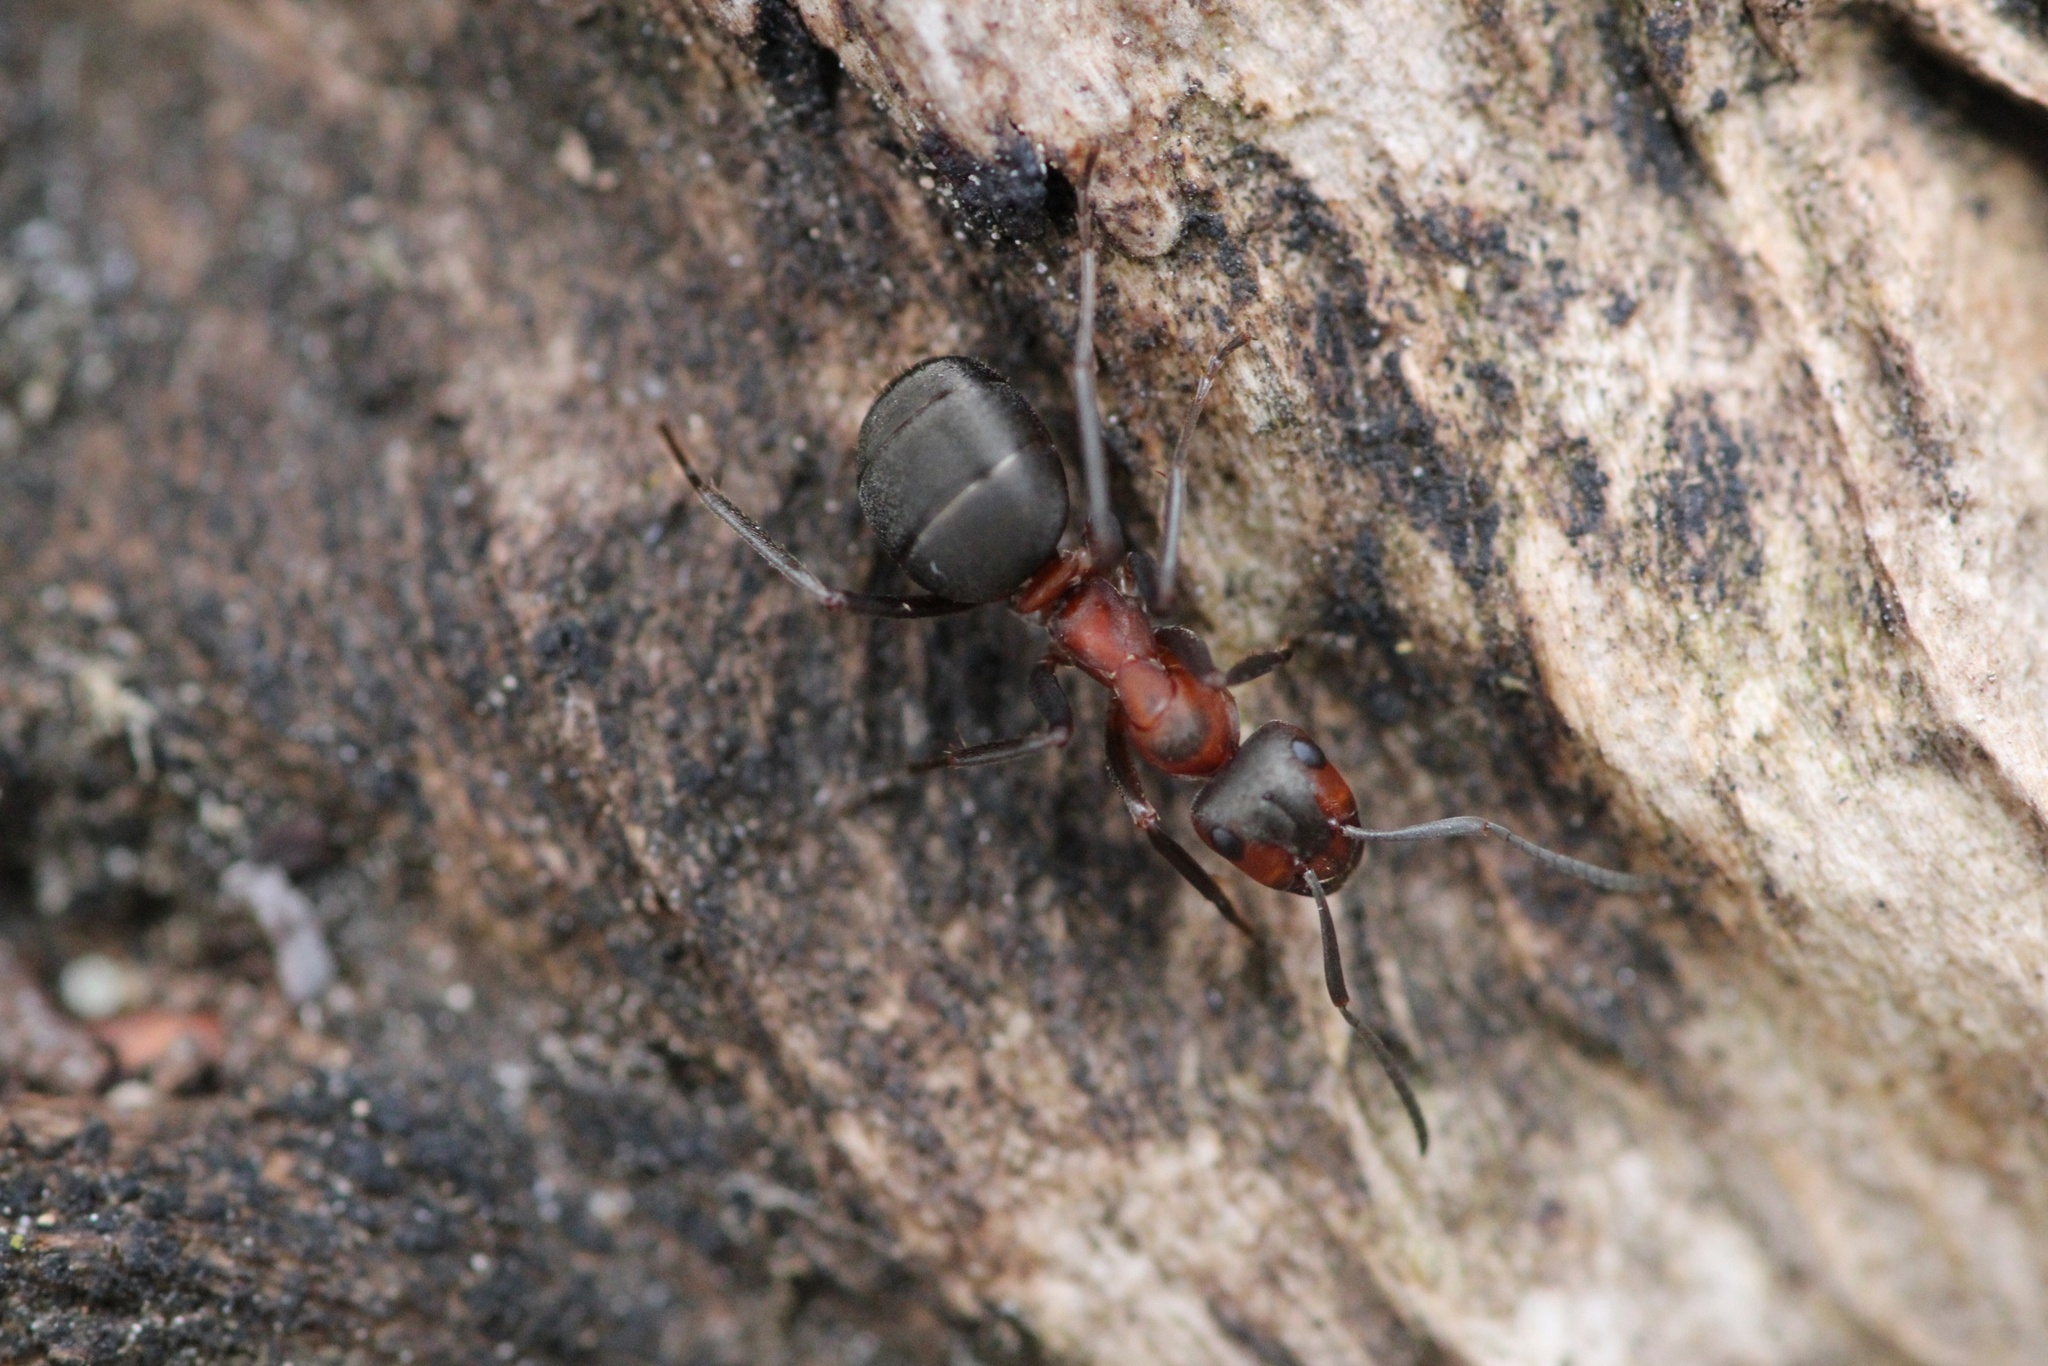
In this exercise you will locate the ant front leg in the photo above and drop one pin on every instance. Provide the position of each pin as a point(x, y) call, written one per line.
point(791, 568)
point(1340, 997)
point(1051, 700)
point(1130, 785)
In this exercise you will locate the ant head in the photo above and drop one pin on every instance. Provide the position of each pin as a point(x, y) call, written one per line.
point(1275, 811)
point(960, 479)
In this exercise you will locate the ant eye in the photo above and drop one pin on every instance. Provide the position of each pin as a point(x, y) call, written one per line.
point(1308, 753)
point(1225, 841)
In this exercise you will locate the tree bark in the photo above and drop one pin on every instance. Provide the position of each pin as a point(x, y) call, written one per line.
point(1645, 431)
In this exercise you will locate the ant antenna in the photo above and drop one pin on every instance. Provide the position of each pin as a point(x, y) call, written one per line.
point(1455, 827)
point(1103, 532)
point(1340, 997)
point(1177, 481)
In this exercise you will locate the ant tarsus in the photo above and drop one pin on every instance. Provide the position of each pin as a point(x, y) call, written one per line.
point(1049, 697)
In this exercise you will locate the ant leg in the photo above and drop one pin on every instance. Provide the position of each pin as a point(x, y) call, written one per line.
point(1340, 997)
point(1051, 700)
point(1257, 666)
point(1144, 574)
point(1130, 785)
point(1161, 601)
point(1189, 648)
point(791, 568)
point(1104, 533)
point(1454, 827)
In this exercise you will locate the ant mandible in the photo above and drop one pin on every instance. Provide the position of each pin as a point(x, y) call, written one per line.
point(960, 479)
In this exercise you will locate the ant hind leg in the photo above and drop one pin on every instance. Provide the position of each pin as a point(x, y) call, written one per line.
point(791, 568)
point(1050, 699)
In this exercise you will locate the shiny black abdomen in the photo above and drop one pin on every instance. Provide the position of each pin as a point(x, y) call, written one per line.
point(960, 479)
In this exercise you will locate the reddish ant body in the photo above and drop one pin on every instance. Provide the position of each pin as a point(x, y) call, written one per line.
point(963, 484)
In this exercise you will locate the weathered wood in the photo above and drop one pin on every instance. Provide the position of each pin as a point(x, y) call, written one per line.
point(1644, 428)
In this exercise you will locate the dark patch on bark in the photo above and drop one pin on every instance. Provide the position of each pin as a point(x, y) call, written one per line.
point(1667, 33)
point(1885, 609)
point(1358, 607)
point(999, 199)
point(1587, 484)
point(804, 75)
point(1494, 386)
point(568, 647)
point(1378, 424)
point(1393, 436)
point(1641, 116)
point(1451, 233)
point(1706, 544)
point(1488, 14)
point(1226, 253)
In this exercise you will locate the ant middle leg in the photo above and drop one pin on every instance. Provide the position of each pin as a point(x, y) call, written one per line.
point(1130, 785)
point(791, 568)
point(1340, 997)
point(1051, 700)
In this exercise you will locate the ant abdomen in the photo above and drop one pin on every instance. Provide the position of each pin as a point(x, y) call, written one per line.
point(961, 481)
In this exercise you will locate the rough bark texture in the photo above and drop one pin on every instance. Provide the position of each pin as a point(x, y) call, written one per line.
point(1647, 427)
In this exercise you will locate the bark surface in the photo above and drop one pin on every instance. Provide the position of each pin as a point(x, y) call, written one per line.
point(1646, 431)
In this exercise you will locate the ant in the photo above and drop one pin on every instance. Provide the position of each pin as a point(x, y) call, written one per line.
point(961, 481)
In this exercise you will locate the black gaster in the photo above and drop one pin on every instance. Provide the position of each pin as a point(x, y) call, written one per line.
point(961, 480)
point(1266, 794)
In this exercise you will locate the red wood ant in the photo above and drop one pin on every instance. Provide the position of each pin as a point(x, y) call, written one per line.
point(960, 479)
